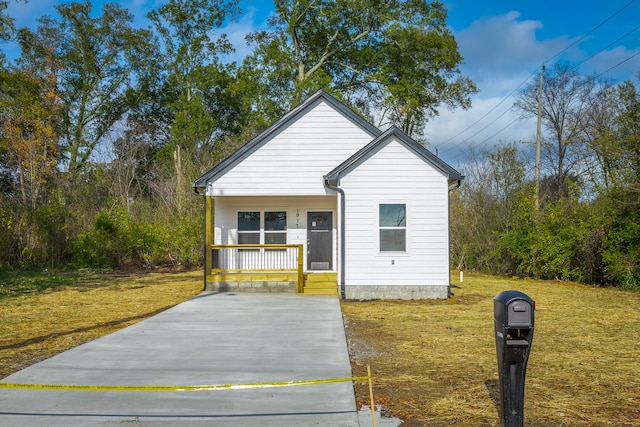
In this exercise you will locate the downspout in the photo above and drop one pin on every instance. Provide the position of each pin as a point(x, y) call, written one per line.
point(204, 234)
point(454, 187)
point(334, 187)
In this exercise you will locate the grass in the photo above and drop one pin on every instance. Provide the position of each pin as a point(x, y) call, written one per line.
point(434, 362)
point(42, 314)
point(15, 283)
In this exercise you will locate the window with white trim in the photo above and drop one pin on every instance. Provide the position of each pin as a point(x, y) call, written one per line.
point(393, 227)
point(275, 228)
point(249, 228)
point(255, 227)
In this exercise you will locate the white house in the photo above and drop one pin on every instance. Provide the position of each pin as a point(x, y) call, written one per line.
point(324, 202)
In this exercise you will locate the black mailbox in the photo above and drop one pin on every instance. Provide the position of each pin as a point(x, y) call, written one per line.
point(513, 321)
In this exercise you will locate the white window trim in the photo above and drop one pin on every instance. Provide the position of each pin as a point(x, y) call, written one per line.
point(262, 230)
point(406, 227)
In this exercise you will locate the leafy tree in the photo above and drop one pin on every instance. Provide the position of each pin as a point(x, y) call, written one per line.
point(627, 129)
point(621, 246)
point(27, 133)
point(6, 22)
point(131, 170)
point(7, 27)
point(598, 131)
point(395, 59)
point(197, 103)
point(612, 132)
point(94, 61)
point(556, 241)
point(486, 207)
point(190, 80)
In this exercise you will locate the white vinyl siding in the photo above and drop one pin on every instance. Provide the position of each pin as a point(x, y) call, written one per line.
point(284, 174)
point(294, 161)
point(395, 175)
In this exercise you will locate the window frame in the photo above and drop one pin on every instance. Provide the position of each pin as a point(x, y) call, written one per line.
point(248, 232)
point(277, 231)
point(382, 249)
point(262, 232)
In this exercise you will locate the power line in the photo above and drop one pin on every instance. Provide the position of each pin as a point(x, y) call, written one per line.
point(522, 116)
point(605, 48)
point(591, 79)
point(517, 119)
point(534, 73)
point(608, 46)
point(618, 64)
point(591, 31)
point(479, 131)
point(489, 112)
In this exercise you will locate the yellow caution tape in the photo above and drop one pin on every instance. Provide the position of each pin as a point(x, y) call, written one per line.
point(179, 387)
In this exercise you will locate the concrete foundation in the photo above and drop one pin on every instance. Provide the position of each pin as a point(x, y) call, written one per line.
point(371, 292)
point(360, 292)
point(258, 286)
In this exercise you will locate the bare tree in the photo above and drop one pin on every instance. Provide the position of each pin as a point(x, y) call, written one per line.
point(598, 133)
point(566, 101)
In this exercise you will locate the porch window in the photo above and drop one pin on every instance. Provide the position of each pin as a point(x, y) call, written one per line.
point(393, 227)
point(275, 228)
point(258, 227)
point(249, 228)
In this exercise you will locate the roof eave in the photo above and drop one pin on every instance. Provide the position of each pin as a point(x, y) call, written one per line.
point(450, 173)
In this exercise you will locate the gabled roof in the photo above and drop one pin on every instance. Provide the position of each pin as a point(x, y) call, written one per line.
point(244, 151)
point(354, 161)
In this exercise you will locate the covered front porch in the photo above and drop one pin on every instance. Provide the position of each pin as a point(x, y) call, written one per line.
point(271, 244)
point(266, 268)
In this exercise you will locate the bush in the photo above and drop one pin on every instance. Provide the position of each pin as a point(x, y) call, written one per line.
point(621, 245)
point(114, 241)
point(118, 239)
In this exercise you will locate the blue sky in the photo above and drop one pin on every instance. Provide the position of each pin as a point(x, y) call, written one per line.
point(504, 43)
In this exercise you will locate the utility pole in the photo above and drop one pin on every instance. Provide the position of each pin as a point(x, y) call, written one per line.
point(537, 177)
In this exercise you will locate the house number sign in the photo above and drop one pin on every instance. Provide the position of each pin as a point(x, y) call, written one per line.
point(297, 218)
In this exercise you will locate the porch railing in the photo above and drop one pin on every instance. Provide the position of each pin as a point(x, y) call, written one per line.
point(258, 259)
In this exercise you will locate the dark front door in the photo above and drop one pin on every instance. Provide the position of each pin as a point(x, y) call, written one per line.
point(319, 240)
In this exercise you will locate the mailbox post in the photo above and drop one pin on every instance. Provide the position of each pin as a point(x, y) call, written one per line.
point(513, 321)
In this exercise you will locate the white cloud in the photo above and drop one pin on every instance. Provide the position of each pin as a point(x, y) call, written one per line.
point(453, 132)
point(501, 51)
point(501, 54)
point(618, 63)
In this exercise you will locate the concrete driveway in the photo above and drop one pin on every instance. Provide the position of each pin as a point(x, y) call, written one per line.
point(217, 338)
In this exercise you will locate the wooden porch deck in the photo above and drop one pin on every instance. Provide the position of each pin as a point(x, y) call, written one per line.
point(265, 268)
point(312, 283)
